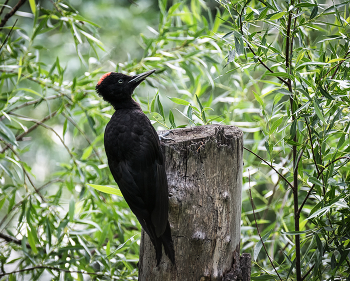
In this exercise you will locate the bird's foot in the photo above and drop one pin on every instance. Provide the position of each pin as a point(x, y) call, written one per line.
point(163, 136)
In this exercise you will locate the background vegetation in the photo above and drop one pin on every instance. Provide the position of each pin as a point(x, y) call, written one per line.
point(276, 69)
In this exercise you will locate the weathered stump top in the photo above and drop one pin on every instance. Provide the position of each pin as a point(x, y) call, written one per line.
point(197, 134)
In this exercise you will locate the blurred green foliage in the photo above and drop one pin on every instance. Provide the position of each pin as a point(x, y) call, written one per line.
point(217, 62)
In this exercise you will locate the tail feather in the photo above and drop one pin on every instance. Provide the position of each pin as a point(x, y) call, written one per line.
point(168, 244)
point(165, 240)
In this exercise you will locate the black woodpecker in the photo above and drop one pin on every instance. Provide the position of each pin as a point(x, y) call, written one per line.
point(136, 160)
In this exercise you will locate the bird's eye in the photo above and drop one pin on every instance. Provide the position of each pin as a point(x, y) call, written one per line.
point(120, 81)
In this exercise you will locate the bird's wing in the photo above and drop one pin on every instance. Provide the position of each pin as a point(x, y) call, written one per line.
point(140, 174)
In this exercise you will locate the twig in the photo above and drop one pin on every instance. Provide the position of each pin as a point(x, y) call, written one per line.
point(19, 137)
point(251, 49)
point(8, 35)
point(3, 6)
point(256, 224)
point(310, 190)
point(25, 198)
point(312, 145)
point(40, 123)
point(10, 239)
point(84, 135)
point(52, 268)
point(25, 174)
point(307, 273)
point(337, 65)
point(292, 187)
point(11, 13)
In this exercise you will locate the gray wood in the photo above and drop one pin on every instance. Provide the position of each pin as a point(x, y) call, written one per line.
point(204, 171)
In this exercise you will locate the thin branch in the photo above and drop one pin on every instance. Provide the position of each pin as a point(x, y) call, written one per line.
point(272, 167)
point(9, 238)
point(310, 190)
point(251, 49)
point(3, 6)
point(25, 198)
point(11, 13)
point(8, 35)
point(256, 224)
point(34, 102)
point(52, 268)
point(40, 123)
point(337, 65)
point(312, 145)
point(84, 135)
point(19, 137)
point(25, 174)
point(307, 273)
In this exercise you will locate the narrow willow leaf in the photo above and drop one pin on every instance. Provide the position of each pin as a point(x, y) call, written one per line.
point(319, 112)
point(275, 125)
point(71, 209)
point(32, 6)
point(258, 98)
point(20, 63)
point(106, 189)
point(277, 16)
point(29, 91)
point(279, 74)
point(325, 93)
point(31, 241)
point(314, 12)
point(7, 134)
point(259, 245)
point(160, 107)
point(301, 66)
point(172, 119)
point(293, 128)
point(108, 248)
point(86, 153)
point(179, 101)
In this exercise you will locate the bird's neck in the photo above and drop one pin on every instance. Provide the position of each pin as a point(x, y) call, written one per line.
point(127, 103)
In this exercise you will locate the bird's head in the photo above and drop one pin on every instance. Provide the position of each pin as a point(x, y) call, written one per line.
point(115, 87)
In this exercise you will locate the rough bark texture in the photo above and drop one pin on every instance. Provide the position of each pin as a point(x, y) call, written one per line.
point(204, 170)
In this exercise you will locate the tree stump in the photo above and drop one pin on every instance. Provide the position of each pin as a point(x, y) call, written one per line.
point(204, 171)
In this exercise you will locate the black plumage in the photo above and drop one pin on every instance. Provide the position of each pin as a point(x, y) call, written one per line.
point(136, 160)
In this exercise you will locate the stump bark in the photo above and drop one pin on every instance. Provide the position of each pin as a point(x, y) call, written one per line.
point(204, 170)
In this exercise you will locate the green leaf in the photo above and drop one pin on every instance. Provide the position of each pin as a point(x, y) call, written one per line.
point(202, 111)
point(258, 98)
point(7, 134)
point(259, 245)
point(293, 128)
point(305, 4)
point(278, 74)
point(319, 112)
point(108, 248)
point(32, 6)
point(29, 91)
point(179, 101)
point(89, 36)
point(189, 113)
point(160, 107)
point(31, 241)
point(277, 16)
point(314, 12)
point(107, 189)
point(172, 119)
point(325, 93)
point(86, 153)
point(301, 66)
point(239, 45)
point(20, 63)
point(71, 209)
point(275, 125)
